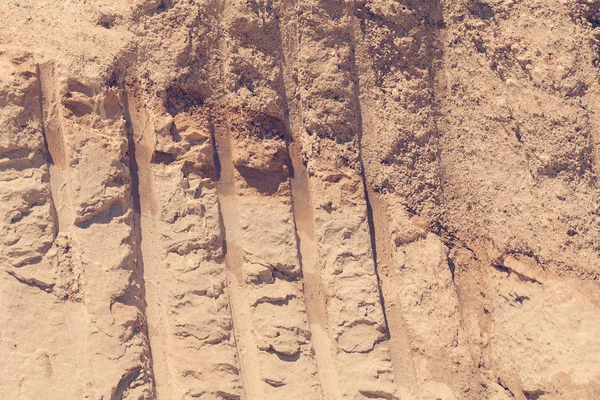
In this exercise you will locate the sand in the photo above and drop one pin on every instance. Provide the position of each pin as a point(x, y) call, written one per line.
point(299, 199)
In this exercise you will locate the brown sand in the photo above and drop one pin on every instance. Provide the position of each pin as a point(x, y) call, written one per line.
point(299, 199)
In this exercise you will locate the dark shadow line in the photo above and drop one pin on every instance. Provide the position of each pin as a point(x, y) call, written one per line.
point(137, 226)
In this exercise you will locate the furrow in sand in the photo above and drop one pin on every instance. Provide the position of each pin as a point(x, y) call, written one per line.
point(42, 105)
point(27, 272)
point(96, 231)
point(385, 270)
point(137, 229)
point(410, 259)
point(233, 260)
point(270, 315)
point(400, 347)
point(55, 143)
point(314, 292)
point(190, 323)
point(328, 129)
point(223, 232)
point(370, 213)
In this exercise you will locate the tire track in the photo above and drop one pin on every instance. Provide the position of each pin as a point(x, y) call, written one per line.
point(137, 243)
point(28, 228)
point(234, 259)
point(314, 292)
point(191, 328)
point(95, 216)
point(329, 132)
point(255, 197)
point(400, 151)
point(191, 299)
point(55, 142)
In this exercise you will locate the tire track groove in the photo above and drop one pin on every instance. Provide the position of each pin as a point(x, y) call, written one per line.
point(329, 132)
point(314, 292)
point(256, 201)
point(137, 229)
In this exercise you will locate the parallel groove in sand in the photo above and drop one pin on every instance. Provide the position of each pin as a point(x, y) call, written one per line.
point(234, 258)
point(302, 204)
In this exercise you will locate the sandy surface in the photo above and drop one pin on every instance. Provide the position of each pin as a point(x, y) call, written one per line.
point(299, 199)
